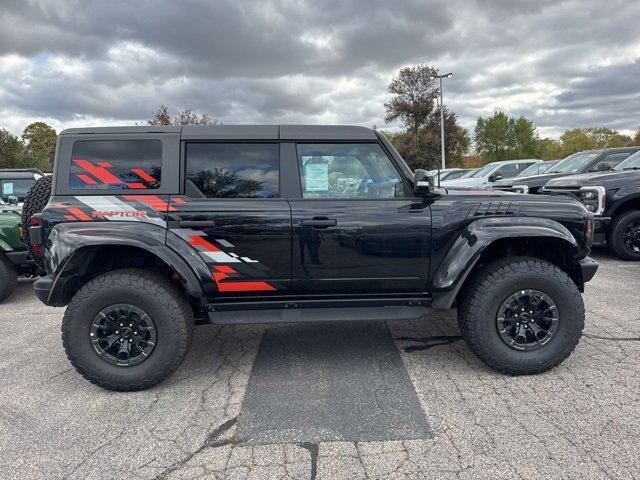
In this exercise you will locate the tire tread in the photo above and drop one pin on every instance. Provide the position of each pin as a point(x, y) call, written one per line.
point(484, 281)
point(164, 293)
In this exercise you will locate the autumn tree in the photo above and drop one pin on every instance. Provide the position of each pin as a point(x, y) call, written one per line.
point(11, 150)
point(415, 91)
point(578, 139)
point(423, 150)
point(636, 139)
point(414, 104)
point(40, 145)
point(183, 117)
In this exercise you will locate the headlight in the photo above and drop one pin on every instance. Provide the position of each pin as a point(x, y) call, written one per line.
point(520, 188)
point(594, 198)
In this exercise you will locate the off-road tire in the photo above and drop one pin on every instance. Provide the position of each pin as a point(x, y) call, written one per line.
point(36, 199)
point(159, 298)
point(8, 277)
point(615, 240)
point(491, 285)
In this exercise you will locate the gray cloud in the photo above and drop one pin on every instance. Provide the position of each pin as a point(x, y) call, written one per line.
point(564, 63)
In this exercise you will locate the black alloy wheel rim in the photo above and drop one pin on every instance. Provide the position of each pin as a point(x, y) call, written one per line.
point(631, 237)
point(123, 335)
point(527, 320)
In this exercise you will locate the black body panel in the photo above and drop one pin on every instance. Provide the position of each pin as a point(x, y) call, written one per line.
point(252, 236)
point(363, 246)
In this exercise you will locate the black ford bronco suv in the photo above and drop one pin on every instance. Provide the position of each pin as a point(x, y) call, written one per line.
point(587, 161)
point(614, 199)
point(150, 230)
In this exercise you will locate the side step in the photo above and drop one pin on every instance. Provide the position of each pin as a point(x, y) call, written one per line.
point(316, 311)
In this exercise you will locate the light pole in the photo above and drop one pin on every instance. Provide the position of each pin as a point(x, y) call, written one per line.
point(440, 77)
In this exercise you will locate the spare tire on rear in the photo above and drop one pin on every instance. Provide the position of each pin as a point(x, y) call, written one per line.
point(35, 201)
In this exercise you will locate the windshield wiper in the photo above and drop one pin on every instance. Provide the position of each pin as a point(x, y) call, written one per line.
point(631, 168)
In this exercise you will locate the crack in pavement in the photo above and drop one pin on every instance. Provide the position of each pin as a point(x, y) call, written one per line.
point(428, 342)
point(614, 339)
point(58, 374)
point(208, 443)
point(312, 448)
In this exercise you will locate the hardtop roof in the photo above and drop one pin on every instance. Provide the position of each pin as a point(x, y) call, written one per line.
point(241, 132)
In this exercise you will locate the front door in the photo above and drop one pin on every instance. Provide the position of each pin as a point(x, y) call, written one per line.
point(357, 229)
point(231, 213)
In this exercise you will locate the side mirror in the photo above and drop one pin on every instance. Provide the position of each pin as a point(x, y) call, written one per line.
point(422, 183)
point(495, 177)
point(603, 167)
point(12, 200)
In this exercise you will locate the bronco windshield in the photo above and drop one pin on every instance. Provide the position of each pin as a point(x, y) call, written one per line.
point(574, 163)
point(631, 163)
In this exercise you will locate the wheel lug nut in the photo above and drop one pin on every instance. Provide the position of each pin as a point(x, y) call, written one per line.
point(121, 340)
point(131, 324)
point(135, 333)
point(117, 332)
point(122, 324)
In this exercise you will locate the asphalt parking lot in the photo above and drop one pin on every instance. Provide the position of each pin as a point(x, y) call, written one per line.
point(401, 400)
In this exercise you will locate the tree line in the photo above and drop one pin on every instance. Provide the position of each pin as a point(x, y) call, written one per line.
point(497, 137)
point(414, 103)
point(35, 148)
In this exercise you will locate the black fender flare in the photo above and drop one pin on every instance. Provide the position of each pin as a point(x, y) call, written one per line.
point(465, 252)
point(623, 196)
point(69, 252)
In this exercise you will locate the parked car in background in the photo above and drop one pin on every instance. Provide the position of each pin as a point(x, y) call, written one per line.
point(492, 172)
point(535, 169)
point(14, 258)
point(581, 162)
point(614, 199)
point(448, 174)
point(17, 182)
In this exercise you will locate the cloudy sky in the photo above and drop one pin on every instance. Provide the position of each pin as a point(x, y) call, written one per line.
point(78, 63)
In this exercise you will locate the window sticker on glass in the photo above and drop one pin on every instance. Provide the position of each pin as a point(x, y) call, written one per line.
point(7, 188)
point(316, 177)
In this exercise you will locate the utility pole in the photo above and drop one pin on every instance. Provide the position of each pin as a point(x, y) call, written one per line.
point(440, 77)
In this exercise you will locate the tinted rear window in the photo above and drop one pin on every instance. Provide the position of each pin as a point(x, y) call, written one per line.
point(116, 164)
point(232, 170)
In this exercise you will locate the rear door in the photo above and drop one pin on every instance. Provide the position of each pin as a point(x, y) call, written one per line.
point(231, 212)
point(357, 228)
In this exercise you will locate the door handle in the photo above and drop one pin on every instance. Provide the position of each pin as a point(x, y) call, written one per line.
point(319, 222)
point(196, 223)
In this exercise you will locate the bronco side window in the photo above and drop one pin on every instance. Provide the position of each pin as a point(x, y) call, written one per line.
point(232, 170)
point(347, 170)
point(116, 164)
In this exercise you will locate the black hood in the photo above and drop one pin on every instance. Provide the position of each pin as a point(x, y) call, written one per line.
point(534, 181)
point(607, 179)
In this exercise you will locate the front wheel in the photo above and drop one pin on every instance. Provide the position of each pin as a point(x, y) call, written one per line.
point(521, 315)
point(127, 329)
point(624, 237)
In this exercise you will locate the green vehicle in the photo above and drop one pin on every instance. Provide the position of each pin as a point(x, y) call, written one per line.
point(14, 257)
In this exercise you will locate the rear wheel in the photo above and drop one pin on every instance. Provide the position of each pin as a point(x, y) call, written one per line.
point(8, 277)
point(127, 329)
point(36, 199)
point(521, 315)
point(624, 237)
